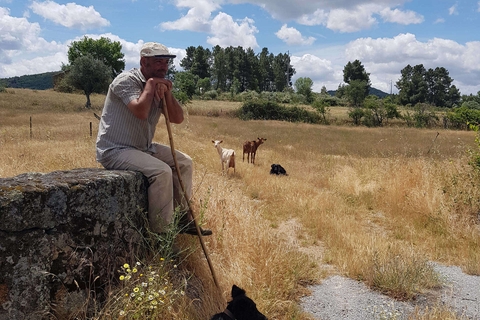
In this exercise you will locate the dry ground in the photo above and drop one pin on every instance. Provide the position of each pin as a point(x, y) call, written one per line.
point(354, 194)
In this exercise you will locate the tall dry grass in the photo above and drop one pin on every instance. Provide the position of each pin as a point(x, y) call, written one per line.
point(378, 204)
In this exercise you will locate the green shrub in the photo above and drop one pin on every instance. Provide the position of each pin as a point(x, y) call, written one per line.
point(210, 95)
point(356, 114)
point(249, 95)
point(459, 118)
point(475, 153)
point(423, 116)
point(278, 97)
point(331, 101)
point(321, 106)
point(369, 119)
point(471, 105)
point(181, 96)
point(269, 110)
point(64, 86)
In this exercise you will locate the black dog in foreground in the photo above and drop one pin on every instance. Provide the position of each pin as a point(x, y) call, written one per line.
point(278, 170)
point(240, 307)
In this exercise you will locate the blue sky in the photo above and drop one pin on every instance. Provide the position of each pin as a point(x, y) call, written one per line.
point(321, 36)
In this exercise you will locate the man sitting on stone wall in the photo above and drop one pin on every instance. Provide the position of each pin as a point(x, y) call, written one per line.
point(132, 109)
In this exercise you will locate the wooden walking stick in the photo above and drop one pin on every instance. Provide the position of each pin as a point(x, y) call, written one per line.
point(190, 210)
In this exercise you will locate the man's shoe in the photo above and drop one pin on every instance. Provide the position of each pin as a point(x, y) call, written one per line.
point(190, 229)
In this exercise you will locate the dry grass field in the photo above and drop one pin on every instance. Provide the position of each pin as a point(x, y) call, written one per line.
point(373, 204)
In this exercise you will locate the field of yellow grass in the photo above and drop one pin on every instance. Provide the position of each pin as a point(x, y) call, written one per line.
point(373, 204)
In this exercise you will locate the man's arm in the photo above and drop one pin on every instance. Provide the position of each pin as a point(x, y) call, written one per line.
point(157, 88)
point(175, 110)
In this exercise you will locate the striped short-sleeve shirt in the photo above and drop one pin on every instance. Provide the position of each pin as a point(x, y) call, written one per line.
point(119, 129)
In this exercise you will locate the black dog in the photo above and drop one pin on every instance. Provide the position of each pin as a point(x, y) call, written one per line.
point(240, 308)
point(278, 170)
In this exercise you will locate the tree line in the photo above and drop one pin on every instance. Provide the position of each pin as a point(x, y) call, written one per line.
point(240, 74)
point(237, 69)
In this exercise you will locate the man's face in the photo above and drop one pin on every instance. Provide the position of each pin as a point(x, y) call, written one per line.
point(156, 67)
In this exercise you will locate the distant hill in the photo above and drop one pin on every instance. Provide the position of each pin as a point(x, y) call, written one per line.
point(41, 81)
point(378, 93)
point(373, 91)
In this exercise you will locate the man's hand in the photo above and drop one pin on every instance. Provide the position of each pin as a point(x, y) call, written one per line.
point(156, 89)
point(160, 90)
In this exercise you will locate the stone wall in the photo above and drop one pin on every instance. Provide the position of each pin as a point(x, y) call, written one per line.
point(63, 235)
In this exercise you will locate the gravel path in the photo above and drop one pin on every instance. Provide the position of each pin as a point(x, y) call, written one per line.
point(343, 298)
point(339, 298)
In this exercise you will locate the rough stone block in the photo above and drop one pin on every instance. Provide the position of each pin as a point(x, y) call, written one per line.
point(63, 235)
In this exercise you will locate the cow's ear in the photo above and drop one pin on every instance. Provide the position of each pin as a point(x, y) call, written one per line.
point(237, 291)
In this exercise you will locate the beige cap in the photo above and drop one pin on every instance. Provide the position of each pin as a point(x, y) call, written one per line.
point(153, 49)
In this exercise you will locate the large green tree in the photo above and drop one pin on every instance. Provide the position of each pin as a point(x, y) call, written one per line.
point(197, 61)
point(186, 82)
point(358, 83)
point(89, 75)
point(235, 69)
point(304, 86)
point(282, 72)
point(103, 49)
point(355, 71)
point(265, 71)
point(441, 92)
point(355, 92)
point(432, 86)
point(250, 72)
point(219, 69)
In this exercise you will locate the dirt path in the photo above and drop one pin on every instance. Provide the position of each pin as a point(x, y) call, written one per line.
point(338, 298)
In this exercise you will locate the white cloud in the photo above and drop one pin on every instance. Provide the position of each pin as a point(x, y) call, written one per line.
point(439, 20)
point(197, 18)
point(292, 36)
point(453, 10)
point(70, 15)
point(226, 32)
point(360, 17)
point(188, 22)
point(35, 65)
point(351, 21)
point(338, 15)
point(20, 40)
point(406, 49)
point(285, 10)
point(390, 55)
point(322, 71)
point(311, 66)
point(208, 5)
point(318, 17)
point(401, 17)
point(13, 30)
point(223, 30)
point(384, 58)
